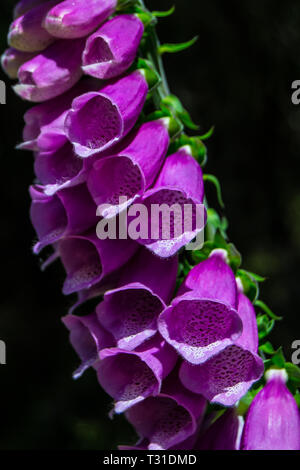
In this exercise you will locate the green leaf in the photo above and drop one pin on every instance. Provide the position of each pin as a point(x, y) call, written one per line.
point(267, 348)
point(173, 48)
point(293, 372)
point(214, 180)
point(208, 134)
point(164, 14)
point(264, 325)
point(265, 308)
point(278, 358)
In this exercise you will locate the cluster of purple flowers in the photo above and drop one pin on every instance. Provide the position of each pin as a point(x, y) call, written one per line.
point(161, 358)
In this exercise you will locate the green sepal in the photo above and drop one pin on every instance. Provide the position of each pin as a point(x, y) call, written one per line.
point(234, 256)
point(198, 149)
point(208, 134)
point(173, 104)
point(293, 373)
point(152, 77)
point(173, 48)
point(264, 325)
point(278, 359)
point(267, 310)
point(164, 14)
point(267, 348)
point(250, 284)
point(214, 180)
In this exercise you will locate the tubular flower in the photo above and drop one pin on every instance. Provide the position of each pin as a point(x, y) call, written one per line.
point(202, 322)
point(118, 194)
point(169, 419)
point(227, 376)
point(111, 50)
point(272, 422)
point(97, 120)
point(131, 170)
point(178, 190)
point(77, 18)
point(130, 312)
point(131, 376)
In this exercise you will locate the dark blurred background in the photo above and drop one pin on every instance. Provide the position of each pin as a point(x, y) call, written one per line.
point(237, 77)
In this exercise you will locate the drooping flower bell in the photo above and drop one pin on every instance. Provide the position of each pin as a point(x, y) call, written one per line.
point(12, 59)
point(228, 375)
point(130, 311)
point(203, 321)
point(77, 18)
point(272, 421)
point(131, 169)
point(131, 376)
point(178, 190)
point(111, 50)
point(97, 120)
point(168, 420)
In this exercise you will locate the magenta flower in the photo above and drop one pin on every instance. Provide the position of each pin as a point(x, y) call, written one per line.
point(130, 311)
point(100, 119)
point(69, 212)
point(51, 72)
point(132, 168)
point(88, 260)
point(111, 50)
point(44, 123)
point(26, 33)
point(168, 420)
point(272, 421)
point(202, 322)
point(76, 18)
point(12, 59)
point(88, 338)
point(131, 376)
point(178, 186)
point(228, 375)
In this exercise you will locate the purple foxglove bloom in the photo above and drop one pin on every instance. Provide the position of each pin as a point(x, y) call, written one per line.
point(70, 211)
point(44, 123)
point(52, 72)
point(77, 18)
point(224, 434)
point(111, 50)
point(202, 322)
point(131, 170)
point(131, 376)
point(168, 420)
point(23, 6)
point(88, 338)
point(130, 312)
point(98, 120)
point(272, 421)
point(179, 183)
point(226, 377)
point(27, 34)
point(88, 260)
point(12, 59)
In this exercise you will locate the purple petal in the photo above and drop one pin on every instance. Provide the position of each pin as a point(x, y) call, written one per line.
point(132, 170)
point(23, 6)
point(224, 434)
point(88, 260)
point(226, 377)
point(272, 421)
point(75, 18)
point(71, 211)
point(44, 129)
point(100, 119)
point(131, 376)
point(27, 34)
point(168, 419)
point(199, 328)
point(52, 72)
point(12, 59)
point(212, 279)
point(88, 338)
point(111, 50)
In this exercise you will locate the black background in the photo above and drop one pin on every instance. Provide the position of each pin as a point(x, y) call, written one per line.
point(237, 77)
